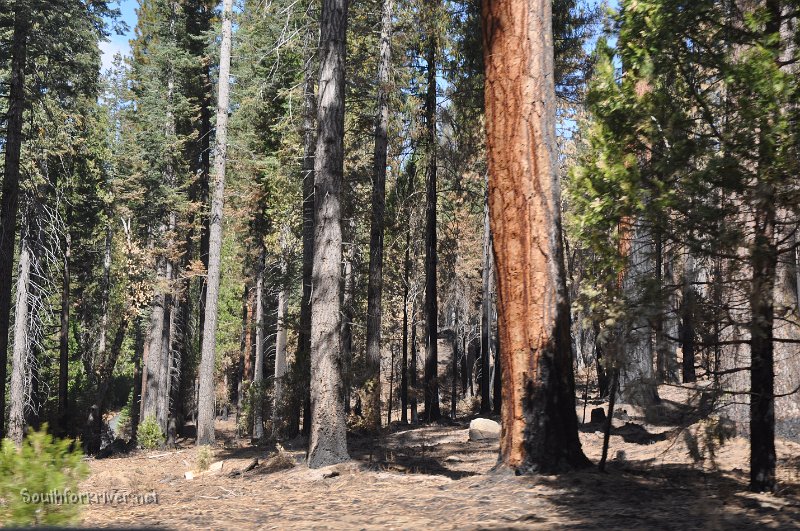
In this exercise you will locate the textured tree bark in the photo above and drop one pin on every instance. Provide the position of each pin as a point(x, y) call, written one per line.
point(258, 370)
point(152, 364)
point(328, 443)
point(540, 431)
point(205, 407)
point(20, 367)
point(304, 336)
point(431, 374)
point(9, 202)
point(637, 378)
point(375, 283)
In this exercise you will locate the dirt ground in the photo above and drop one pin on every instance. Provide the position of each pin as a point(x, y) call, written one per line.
point(664, 472)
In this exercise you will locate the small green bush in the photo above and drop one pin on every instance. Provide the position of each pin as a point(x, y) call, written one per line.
point(205, 455)
point(39, 481)
point(149, 434)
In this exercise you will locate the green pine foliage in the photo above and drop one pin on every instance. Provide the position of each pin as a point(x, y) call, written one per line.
point(31, 475)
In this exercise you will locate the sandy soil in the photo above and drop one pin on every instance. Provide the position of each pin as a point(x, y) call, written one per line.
point(433, 477)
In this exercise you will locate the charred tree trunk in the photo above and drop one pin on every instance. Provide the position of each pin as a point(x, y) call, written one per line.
point(375, 283)
point(540, 427)
point(11, 177)
point(328, 443)
point(206, 411)
point(431, 375)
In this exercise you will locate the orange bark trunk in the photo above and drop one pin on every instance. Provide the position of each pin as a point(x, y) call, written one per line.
point(540, 432)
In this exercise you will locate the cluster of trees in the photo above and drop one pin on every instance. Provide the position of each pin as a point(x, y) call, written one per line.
point(380, 233)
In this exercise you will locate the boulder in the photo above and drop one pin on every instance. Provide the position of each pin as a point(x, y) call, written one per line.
point(483, 429)
point(598, 416)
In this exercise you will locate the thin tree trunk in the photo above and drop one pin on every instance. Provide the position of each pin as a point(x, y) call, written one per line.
point(486, 306)
point(280, 351)
point(167, 334)
point(328, 444)
point(11, 177)
point(137, 379)
point(404, 374)
point(540, 426)
point(258, 370)
point(375, 285)
point(206, 410)
point(413, 370)
point(349, 276)
point(431, 375)
point(391, 388)
point(687, 321)
point(63, 339)
point(20, 366)
point(304, 336)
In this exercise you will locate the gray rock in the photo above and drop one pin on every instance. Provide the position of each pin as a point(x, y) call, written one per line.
point(483, 429)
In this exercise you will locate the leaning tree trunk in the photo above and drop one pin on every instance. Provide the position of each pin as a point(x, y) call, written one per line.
point(328, 443)
point(431, 374)
point(375, 284)
point(540, 427)
point(258, 370)
point(10, 196)
point(205, 408)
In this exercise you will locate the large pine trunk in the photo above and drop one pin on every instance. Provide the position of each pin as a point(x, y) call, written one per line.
point(375, 283)
point(206, 411)
point(637, 378)
point(10, 197)
point(540, 427)
point(328, 443)
point(431, 373)
point(151, 377)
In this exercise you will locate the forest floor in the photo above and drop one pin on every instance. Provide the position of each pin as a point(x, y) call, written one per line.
point(665, 471)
